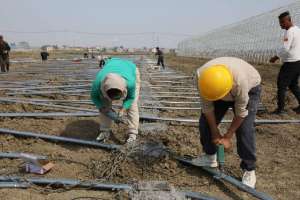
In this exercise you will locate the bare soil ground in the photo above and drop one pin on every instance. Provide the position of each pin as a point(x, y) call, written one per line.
point(277, 146)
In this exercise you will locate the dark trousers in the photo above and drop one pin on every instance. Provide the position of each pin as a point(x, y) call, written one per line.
point(4, 62)
point(101, 63)
point(245, 134)
point(160, 61)
point(288, 78)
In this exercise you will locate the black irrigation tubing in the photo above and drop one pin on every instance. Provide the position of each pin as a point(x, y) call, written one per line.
point(47, 87)
point(65, 183)
point(48, 114)
point(176, 93)
point(48, 105)
point(30, 92)
point(143, 96)
point(10, 184)
point(174, 88)
point(21, 182)
point(169, 108)
point(53, 138)
point(45, 100)
point(142, 118)
point(89, 102)
point(221, 176)
point(172, 102)
point(170, 77)
point(196, 195)
point(180, 97)
point(17, 155)
point(92, 110)
point(47, 92)
point(172, 82)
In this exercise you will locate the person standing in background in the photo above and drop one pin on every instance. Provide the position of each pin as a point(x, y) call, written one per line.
point(290, 70)
point(101, 61)
point(160, 58)
point(4, 55)
point(44, 55)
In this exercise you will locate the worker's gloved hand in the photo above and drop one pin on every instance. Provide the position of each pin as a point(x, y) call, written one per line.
point(115, 116)
point(121, 112)
point(104, 110)
point(121, 116)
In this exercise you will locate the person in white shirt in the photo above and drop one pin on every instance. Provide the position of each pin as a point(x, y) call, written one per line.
point(290, 56)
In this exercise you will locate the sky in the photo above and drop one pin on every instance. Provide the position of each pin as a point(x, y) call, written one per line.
point(130, 23)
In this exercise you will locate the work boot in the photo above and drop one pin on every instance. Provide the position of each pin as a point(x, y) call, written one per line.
point(103, 136)
point(131, 138)
point(206, 160)
point(279, 112)
point(249, 178)
point(297, 109)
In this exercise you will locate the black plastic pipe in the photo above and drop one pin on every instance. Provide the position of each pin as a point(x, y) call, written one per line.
point(221, 176)
point(16, 155)
point(53, 138)
point(66, 182)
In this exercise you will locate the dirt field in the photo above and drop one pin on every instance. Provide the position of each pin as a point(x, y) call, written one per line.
point(278, 155)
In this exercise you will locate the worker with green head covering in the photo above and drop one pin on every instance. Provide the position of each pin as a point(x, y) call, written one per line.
point(118, 80)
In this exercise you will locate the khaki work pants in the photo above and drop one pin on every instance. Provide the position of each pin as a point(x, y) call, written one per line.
point(132, 113)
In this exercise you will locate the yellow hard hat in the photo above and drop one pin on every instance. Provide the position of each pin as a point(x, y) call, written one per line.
point(215, 82)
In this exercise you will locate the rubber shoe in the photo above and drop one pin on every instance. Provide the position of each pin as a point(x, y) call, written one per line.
point(131, 138)
point(206, 160)
point(103, 136)
point(249, 178)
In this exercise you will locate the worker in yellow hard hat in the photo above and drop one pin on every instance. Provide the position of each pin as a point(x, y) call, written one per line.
point(223, 83)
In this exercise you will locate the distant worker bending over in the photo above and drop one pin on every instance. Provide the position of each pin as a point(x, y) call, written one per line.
point(4, 55)
point(118, 80)
point(223, 83)
point(290, 70)
point(160, 57)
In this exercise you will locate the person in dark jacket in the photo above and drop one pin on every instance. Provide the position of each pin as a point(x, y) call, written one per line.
point(44, 56)
point(4, 55)
point(160, 58)
point(101, 61)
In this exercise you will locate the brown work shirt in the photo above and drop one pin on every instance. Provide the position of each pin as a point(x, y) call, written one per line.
point(245, 77)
